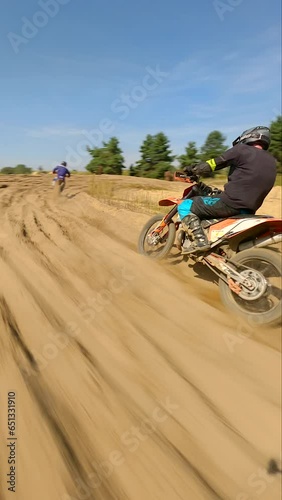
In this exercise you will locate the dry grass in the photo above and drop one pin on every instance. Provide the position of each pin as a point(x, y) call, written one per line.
point(134, 196)
point(142, 195)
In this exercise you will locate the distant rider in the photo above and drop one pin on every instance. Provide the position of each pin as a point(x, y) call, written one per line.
point(61, 171)
point(251, 176)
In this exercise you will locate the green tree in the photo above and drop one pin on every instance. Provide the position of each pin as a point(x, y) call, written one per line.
point(145, 164)
point(161, 169)
point(22, 169)
point(19, 169)
point(190, 157)
point(108, 159)
point(132, 170)
point(276, 141)
point(214, 145)
point(156, 157)
point(161, 149)
point(7, 170)
point(146, 149)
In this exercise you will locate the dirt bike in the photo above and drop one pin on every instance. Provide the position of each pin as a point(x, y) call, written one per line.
point(247, 269)
point(58, 185)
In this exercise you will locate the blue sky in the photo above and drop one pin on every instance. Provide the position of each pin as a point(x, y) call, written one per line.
point(75, 72)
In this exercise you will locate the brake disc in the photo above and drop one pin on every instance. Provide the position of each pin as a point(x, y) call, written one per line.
point(253, 284)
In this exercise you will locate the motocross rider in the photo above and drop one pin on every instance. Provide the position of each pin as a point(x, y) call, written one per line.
point(61, 171)
point(251, 176)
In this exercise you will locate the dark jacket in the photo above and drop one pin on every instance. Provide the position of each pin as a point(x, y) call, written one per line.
point(251, 175)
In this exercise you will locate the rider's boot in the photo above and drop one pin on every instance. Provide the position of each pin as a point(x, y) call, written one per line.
point(200, 242)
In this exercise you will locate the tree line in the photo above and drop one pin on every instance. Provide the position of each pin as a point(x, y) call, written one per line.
point(156, 158)
point(19, 169)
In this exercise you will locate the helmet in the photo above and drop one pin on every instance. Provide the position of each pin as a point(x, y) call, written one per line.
point(259, 135)
point(64, 163)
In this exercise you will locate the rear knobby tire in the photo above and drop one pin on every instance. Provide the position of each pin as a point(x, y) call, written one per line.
point(230, 300)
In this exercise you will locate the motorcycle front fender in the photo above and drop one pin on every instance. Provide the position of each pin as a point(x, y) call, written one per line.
point(170, 201)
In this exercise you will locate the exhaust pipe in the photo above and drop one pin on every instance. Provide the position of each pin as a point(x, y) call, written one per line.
point(277, 238)
point(261, 242)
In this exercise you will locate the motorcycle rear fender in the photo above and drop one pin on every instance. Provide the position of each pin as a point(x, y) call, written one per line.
point(267, 228)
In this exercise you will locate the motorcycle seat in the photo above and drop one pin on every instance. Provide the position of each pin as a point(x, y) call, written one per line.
point(209, 222)
point(253, 216)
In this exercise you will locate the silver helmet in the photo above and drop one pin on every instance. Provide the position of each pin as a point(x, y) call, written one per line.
point(259, 135)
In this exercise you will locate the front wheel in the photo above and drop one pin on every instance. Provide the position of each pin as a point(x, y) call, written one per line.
point(156, 242)
point(263, 266)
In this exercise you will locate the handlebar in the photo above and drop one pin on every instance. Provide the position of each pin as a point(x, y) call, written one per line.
point(195, 179)
point(181, 176)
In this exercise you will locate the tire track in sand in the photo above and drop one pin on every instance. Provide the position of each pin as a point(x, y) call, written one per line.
point(123, 375)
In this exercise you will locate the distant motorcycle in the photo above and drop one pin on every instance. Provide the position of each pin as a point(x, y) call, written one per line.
point(58, 185)
point(249, 271)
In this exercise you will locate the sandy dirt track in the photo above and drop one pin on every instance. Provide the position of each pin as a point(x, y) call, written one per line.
point(131, 381)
